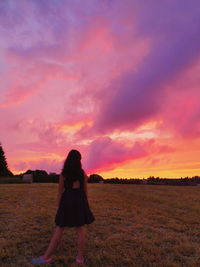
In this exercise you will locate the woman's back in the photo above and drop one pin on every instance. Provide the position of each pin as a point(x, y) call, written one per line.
point(77, 181)
point(76, 184)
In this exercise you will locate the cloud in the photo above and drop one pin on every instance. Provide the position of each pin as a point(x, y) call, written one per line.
point(137, 95)
point(105, 153)
point(182, 111)
point(44, 164)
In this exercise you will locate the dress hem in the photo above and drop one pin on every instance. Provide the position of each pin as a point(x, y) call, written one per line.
point(73, 225)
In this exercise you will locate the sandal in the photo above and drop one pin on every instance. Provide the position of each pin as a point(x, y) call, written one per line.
point(79, 261)
point(41, 260)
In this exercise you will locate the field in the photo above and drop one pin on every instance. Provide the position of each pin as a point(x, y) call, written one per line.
point(136, 225)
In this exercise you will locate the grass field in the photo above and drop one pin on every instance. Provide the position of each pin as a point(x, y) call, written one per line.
point(136, 225)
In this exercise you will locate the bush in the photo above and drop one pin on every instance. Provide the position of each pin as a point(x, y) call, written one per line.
point(95, 178)
point(11, 180)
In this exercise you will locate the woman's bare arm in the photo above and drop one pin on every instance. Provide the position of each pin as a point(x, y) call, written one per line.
point(85, 184)
point(60, 188)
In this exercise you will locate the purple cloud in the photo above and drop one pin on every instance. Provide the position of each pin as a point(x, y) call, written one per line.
point(139, 95)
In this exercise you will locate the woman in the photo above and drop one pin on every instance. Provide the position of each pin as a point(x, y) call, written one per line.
point(73, 208)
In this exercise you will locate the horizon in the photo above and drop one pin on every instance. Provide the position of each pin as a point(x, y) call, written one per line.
point(143, 178)
point(120, 83)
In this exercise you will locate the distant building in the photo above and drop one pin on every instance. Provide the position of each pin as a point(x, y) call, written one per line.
point(28, 178)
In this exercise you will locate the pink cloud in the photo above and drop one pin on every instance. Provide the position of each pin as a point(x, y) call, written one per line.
point(45, 164)
point(107, 154)
point(104, 153)
point(156, 147)
point(181, 111)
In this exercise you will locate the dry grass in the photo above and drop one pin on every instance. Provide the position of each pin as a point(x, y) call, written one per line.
point(135, 225)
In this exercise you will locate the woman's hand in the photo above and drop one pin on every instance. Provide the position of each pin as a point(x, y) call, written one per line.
point(61, 189)
point(85, 184)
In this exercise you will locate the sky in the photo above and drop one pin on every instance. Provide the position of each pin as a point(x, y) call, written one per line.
point(117, 80)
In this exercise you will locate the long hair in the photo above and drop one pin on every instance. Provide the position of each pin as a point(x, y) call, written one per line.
point(72, 168)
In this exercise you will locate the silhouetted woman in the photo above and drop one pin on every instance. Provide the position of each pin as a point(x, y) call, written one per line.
point(73, 208)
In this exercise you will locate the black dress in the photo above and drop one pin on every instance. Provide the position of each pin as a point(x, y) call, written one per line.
point(74, 210)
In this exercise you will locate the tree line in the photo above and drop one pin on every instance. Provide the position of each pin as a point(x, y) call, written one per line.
point(95, 178)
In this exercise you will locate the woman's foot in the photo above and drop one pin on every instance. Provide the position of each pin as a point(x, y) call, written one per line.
point(41, 260)
point(79, 260)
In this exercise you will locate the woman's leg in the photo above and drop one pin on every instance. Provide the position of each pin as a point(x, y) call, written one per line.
point(81, 241)
point(54, 242)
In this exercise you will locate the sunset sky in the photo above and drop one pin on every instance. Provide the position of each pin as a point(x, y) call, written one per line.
point(117, 80)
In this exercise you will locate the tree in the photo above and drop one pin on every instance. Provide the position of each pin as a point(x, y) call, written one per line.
point(4, 171)
point(95, 178)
